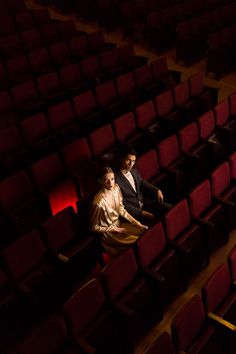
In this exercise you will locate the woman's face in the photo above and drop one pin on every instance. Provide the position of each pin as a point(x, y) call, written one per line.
point(108, 180)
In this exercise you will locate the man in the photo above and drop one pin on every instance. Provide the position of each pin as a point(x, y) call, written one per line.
point(141, 199)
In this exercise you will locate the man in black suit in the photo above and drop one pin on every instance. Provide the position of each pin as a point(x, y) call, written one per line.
point(142, 200)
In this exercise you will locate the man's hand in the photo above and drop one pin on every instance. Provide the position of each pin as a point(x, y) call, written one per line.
point(120, 230)
point(147, 215)
point(160, 196)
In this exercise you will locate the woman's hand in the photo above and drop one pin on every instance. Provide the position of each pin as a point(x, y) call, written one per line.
point(119, 230)
point(143, 227)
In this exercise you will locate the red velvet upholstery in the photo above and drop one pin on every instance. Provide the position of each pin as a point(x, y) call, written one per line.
point(183, 231)
point(161, 343)
point(202, 206)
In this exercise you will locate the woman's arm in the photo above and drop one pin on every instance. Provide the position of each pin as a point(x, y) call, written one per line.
point(97, 216)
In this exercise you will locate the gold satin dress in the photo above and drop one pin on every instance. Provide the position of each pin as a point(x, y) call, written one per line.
point(107, 207)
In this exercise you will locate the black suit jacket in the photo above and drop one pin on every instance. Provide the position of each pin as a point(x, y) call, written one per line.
point(131, 198)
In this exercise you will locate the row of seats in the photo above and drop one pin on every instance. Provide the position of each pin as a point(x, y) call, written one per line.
point(213, 327)
point(201, 30)
point(173, 111)
point(12, 7)
point(138, 20)
point(157, 270)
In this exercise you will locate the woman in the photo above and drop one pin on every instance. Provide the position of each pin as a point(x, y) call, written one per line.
point(107, 207)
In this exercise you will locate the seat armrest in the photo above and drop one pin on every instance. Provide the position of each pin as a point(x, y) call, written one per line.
point(227, 203)
point(154, 276)
point(190, 156)
point(170, 170)
point(85, 346)
point(220, 321)
point(202, 222)
point(23, 289)
point(62, 258)
point(178, 247)
point(124, 310)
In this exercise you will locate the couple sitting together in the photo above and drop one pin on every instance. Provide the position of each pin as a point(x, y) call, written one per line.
point(120, 209)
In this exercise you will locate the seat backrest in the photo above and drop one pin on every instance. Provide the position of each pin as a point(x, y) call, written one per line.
point(47, 171)
point(60, 54)
point(70, 76)
point(18, 69)
point(76, 154)
point(125, 85)
point(48, 84)
point(221, 111)
point(48, 337)
point(11, 47)
point(50, 33)
point(126, 53)
point(232, 104)
point(206, 125)
point(168, 151)
point(196, 84)
point(35, 128)
point(84, 104)
point(17, 6)
point(163, 344)
point(187, 323)
point(151, 245)
point(61, 115)
point(7, 26)
point(24, 93)
point(109, 59)
point(177, 219)
point(143, 76)
point(145, 114)
point(200, 198)
point(22, 255)
point(10, 141)
point(232, 164)
point(24, 21)
point(220, 179)
point(60, 229)
point(15, 190)
point(181, 93)
point(124, 126)
point(148, 170)
point(106, 94)
point(40, 61)
point(98, 144)
point(41, 16)
point(95, 40)
point(164, 103)
point(79, 47)
point(6, 105)
point(159, 68)
point(32, 40)
point(83, 307)
point(90, 68)
point(216, 288)
point(120, 273)
point(188, 137)
point(67, 28)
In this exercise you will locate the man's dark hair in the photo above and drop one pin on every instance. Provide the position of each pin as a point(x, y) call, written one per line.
point(127, 150)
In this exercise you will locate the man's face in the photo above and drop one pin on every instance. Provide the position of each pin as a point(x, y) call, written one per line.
point(128, 162)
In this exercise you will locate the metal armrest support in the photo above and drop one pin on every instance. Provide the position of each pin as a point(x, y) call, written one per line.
point(62, 258)
point(220, 321)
